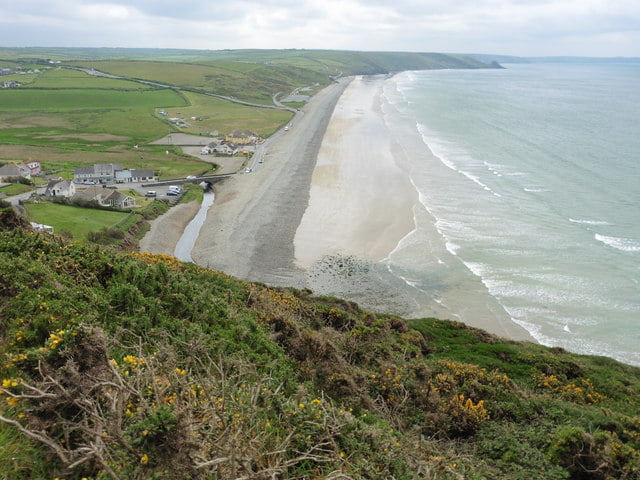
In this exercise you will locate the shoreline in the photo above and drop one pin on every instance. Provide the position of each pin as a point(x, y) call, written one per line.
point(307, 218)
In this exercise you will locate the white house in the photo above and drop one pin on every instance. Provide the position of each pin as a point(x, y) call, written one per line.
point(60, 188)
point(138, 175)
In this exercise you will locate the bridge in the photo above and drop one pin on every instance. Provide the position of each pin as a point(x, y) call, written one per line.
point(208, 179)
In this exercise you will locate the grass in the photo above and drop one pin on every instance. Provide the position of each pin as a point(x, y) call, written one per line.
point(72, 99)
point(16, 189)
point(77, 221)
point(68, 78)
point(192, 192)
point(215, 114)
point(19, 457)
point(255, 82)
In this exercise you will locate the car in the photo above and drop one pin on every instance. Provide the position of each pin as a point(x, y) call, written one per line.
point(172, 193)
point(151, 193)
point(191, 177)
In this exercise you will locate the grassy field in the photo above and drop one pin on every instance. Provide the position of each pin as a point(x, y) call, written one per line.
point(70, 99)
point(67, 78)
point(215, 114)
point(15, 189)
point(77, 221)
point(252, 82)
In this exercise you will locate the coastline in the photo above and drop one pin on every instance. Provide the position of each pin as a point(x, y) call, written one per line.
point(320, 214)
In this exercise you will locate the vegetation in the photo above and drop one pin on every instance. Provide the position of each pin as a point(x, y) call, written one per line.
point(214, 114)
point(74, 220)
point(128, 365)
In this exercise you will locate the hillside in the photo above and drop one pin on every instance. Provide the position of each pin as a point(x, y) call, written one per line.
point(126, 365)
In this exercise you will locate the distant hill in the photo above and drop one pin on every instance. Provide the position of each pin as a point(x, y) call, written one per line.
point(331, 62)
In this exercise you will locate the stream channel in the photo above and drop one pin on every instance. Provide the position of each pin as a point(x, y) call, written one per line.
point(188, 239)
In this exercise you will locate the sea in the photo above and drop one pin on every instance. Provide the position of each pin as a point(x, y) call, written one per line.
point(529, 183)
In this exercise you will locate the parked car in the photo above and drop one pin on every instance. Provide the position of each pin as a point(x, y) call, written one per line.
point(151, 193)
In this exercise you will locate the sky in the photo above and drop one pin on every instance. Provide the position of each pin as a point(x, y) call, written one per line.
point(605, 28)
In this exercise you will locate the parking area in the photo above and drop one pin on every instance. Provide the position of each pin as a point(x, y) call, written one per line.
point(161, 191)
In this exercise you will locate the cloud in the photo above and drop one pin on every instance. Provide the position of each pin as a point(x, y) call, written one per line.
point(494, 26)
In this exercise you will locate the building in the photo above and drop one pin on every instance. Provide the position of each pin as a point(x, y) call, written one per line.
point(106, 197)
point(242, 138)
point(117, 199)
point(60, 188)
point(224, 147)
point(98, 173)
point(138, 175)
point(34, 168)
point(14, 170)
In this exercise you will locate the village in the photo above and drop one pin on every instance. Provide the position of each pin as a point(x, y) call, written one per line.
point(112, 185)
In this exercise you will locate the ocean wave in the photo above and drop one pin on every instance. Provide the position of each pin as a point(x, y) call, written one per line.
point(623, 244)
point(452, 248)
point(437, 149)
point(535, 189)
point(589, 222)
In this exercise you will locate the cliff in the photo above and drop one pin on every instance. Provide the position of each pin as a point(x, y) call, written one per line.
point(127, 365)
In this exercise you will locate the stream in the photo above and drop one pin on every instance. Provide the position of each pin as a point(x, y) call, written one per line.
point(188, 239)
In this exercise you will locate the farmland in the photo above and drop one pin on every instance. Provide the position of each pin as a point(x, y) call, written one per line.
point(246, 81)
point(215, 114)
point(66, 118)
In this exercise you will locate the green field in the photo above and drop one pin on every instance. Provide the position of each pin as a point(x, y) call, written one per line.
point(77, 221)
point(251, 82)
point(18, 99)
point(216, 114)
point(67, 78)
point(15, 189)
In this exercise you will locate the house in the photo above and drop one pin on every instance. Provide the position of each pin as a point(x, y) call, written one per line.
point(95, 193)
point(34, 168)
point(107, 197)
point(123, 176)
point(14, 170)
point(142, 175)
point(60, 188)
point(99, 173)
point(135, 175)
point(226, 149)
point(84, 174)
point(117, 199)
point(242, 138)
point(106, 172)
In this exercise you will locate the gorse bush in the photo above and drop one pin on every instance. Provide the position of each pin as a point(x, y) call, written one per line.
point(134, 365)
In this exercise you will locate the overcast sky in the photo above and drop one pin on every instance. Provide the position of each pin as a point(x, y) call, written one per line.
point(513, 27)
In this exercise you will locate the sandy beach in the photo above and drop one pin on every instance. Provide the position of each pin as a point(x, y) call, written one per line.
point(324, 211)
point(360, 200)
point(250, 229)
